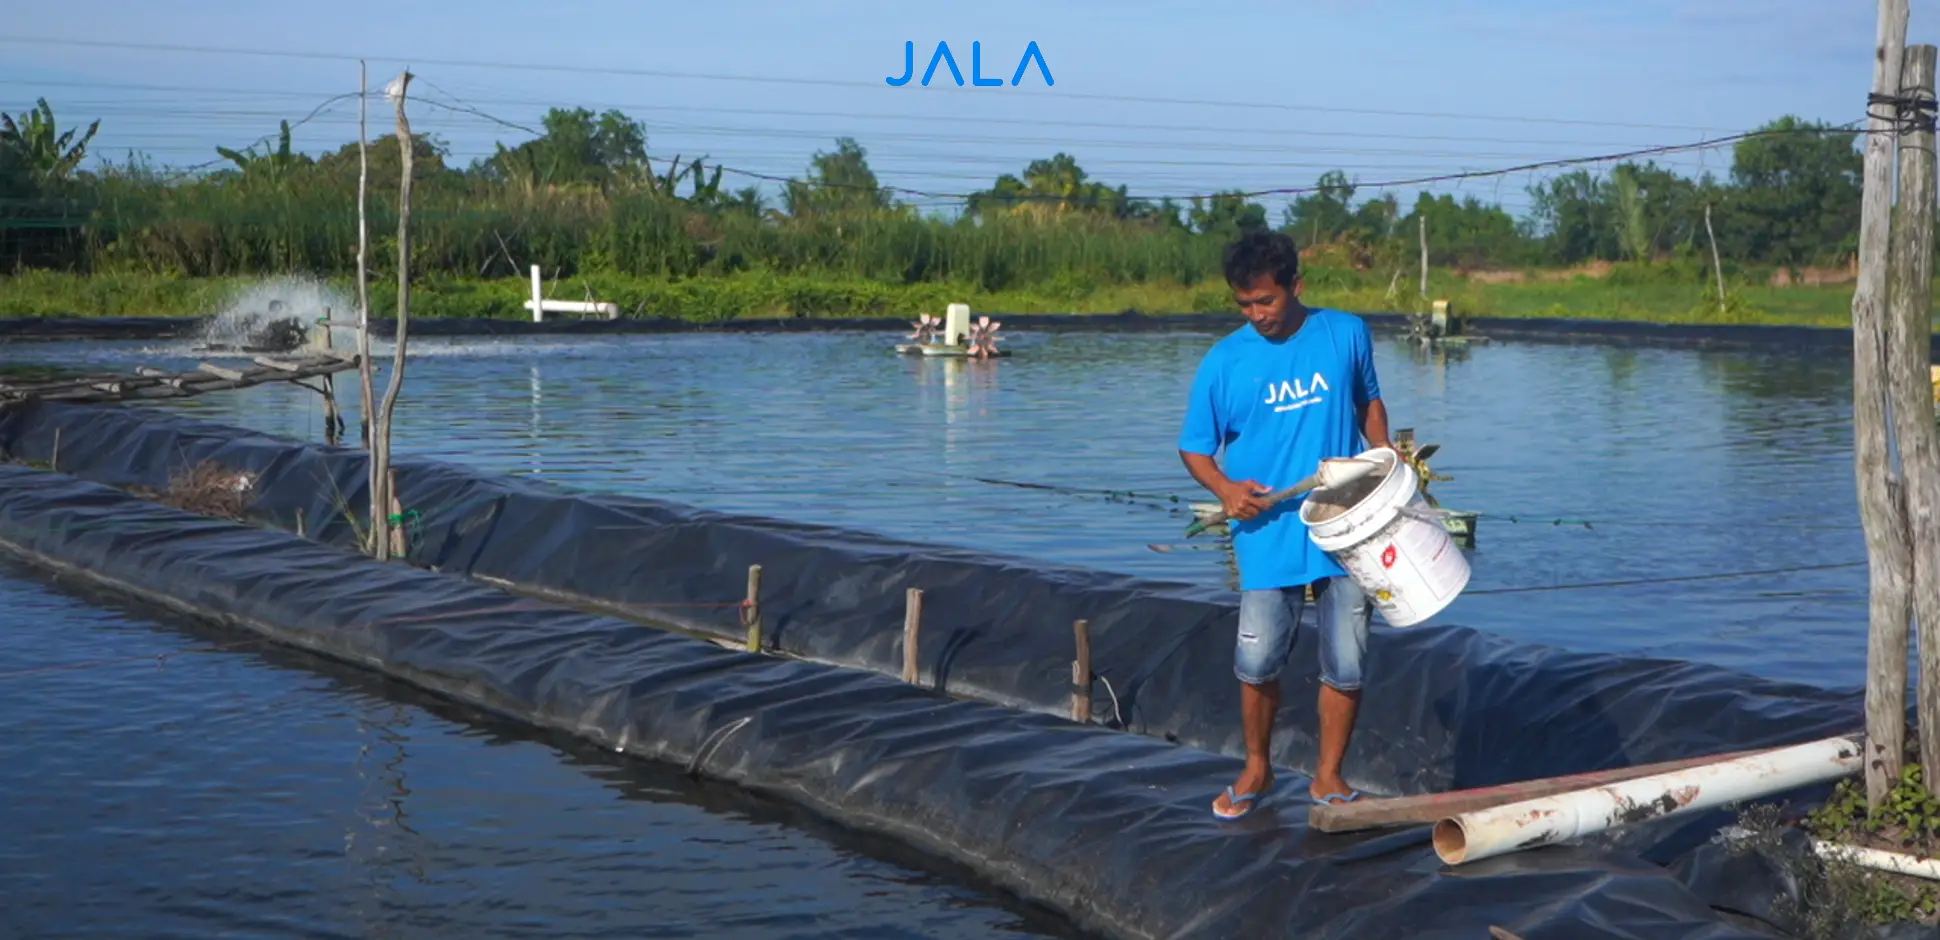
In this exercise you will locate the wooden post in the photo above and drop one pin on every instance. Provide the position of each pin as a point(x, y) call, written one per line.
point(912, 625)
point(751, 615)
point(381, 449)
point(1880, 509)
point(1909, 337)
point(299, 522)
point(1717, 267)
point(1422, 218)
point(399, 548)
point(54, 460)
point(332, 421)
point(1081, 674)
point(364, 366)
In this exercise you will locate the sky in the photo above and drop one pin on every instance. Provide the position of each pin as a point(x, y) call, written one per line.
point(1165, 98)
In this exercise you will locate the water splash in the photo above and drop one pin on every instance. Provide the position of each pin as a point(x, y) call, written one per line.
point(280, 313)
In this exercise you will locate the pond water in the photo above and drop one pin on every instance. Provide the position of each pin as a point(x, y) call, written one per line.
point(1671, 502)
point(164, 779)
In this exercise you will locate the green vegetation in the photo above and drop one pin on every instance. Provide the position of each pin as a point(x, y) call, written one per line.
point(583, 201)
point(1908, 820)
point(1833, 898)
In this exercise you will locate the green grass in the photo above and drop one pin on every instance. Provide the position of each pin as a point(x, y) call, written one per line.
point(704, 299)
point(762, 294)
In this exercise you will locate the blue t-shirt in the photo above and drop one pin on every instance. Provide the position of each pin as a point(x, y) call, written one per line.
point(1279, 409)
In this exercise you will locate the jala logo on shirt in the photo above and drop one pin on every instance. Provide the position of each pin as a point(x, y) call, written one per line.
point(1286, 396)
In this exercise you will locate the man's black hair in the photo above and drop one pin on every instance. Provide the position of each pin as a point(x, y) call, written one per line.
point(1262, 251)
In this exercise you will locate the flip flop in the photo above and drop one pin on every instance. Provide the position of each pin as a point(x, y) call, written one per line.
point(1250, 799)
point(1348, 797)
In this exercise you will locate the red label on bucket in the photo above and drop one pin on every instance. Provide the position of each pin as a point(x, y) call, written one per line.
point(1387, 557)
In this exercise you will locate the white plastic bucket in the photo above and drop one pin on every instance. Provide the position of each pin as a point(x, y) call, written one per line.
point(1409, 566)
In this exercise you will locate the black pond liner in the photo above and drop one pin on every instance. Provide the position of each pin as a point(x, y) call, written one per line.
point(1109, 828)
point(1447, 707)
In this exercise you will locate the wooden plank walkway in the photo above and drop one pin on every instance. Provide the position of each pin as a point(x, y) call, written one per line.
point(155, 383)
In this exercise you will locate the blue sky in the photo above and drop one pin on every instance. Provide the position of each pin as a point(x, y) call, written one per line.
point(1168, 98)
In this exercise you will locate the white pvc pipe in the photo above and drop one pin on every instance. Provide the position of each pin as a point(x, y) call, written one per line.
point(538, 303)
point(1896, 862)
point(1487, 833)
point(576, 306)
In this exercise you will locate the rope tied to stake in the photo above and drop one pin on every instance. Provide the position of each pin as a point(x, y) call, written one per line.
point(1911, 113)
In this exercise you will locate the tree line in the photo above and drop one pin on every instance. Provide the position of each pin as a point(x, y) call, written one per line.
point(583, 197)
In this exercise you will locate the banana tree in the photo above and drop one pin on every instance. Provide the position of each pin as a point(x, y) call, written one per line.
point(271, 167)
point(35, 143)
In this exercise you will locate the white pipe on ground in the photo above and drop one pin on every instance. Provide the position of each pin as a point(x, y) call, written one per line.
point(1515, 826)
point(1896, 862)
point(538, 303)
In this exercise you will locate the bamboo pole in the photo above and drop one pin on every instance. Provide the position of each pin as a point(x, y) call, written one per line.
point(381, 455)
point(1909, 338)
point(912, 626)
point(1717, 266)
point(365, 365)
point(363, 258)
point(1081, 674)
point(752, 616)
point(1880, 509)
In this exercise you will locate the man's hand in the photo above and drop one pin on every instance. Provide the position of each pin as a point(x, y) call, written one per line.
point(1242, 499)
point(1238, 499)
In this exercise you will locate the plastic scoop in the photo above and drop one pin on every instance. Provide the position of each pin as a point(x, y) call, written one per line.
point(1333, 472)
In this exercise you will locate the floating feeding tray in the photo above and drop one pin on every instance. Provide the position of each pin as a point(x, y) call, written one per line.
point(961, 339)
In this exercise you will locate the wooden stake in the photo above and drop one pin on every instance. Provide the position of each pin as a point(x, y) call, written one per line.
point(1422, 218)
point(332, 421)
point(752, 613)
point(364, 366)
point(912, 625)
point(54, 461)
point(1909, 341)
point(299, 523)
point(381, 440)
point(1880, 508)
point(399, 548)
point(1081, 674)
point(1717, 267)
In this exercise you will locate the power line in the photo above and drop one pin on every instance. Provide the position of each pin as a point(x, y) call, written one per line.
point(844, 83)
point(1529, 167)
point(1286, 191)
point(853, 115)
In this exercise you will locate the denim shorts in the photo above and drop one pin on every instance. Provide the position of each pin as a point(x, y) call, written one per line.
point(1267, 619)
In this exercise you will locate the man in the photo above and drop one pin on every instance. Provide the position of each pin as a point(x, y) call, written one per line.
point(1293, 387)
